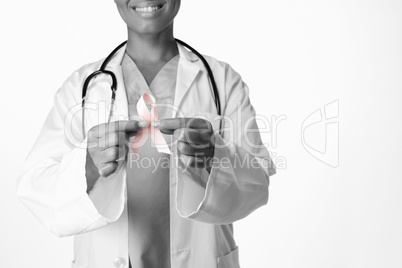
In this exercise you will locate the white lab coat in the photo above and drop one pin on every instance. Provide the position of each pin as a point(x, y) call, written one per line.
point(52, 184)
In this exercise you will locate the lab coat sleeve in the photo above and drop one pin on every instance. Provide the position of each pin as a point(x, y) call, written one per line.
point(239, 180)
point(52, 182)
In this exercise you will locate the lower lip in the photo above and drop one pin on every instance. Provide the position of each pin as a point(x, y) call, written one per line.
point(149, 14)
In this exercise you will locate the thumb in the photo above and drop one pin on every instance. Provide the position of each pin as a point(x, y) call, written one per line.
point(134, 126)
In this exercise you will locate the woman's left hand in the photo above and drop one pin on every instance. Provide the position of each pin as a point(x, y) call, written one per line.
point(195, 139)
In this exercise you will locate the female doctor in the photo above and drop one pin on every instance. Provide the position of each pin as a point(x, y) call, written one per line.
point(139, 206)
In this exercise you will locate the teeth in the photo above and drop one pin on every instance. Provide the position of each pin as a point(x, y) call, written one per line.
point(148, 9)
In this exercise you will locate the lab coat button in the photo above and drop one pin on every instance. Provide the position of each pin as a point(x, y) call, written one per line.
point(119, 262)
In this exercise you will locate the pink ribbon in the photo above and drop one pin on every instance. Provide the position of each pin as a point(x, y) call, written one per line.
point(141, 137)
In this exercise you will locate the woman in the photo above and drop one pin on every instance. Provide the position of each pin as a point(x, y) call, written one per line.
point(93, 177)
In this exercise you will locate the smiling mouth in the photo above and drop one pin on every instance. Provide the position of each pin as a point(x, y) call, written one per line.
point(148, 9)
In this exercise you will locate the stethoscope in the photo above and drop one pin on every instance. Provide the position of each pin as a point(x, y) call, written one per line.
point(113, 86)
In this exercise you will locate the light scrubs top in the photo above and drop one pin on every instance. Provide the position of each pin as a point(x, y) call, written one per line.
point(148, 172)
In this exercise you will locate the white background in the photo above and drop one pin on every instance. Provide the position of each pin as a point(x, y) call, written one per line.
point(296, 57)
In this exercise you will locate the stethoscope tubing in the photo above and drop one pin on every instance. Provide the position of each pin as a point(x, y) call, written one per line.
point(113, 87)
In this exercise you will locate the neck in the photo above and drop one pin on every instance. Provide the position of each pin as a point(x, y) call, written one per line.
point(152, 48)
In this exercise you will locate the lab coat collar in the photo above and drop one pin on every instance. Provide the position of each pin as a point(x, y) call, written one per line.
point(188, 55)
point(187, 71)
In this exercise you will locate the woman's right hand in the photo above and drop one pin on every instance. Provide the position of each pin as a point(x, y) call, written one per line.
point(107, 143)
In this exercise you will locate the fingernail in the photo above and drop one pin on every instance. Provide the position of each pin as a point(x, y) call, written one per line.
point(143, 124)
point(156, 124)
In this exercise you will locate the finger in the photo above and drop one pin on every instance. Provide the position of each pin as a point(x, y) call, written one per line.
point(191, 161)
point(133, 126)
point(108, 169)
point(117, 126)
point(112, 154)
point(194, 136)
point(169, 125)
point(194, 150)
point(123, 152)
point(113, 139)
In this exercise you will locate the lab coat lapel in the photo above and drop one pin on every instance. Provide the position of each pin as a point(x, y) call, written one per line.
point(187, 71)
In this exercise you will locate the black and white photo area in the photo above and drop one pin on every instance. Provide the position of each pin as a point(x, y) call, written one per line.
point(323, 78)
